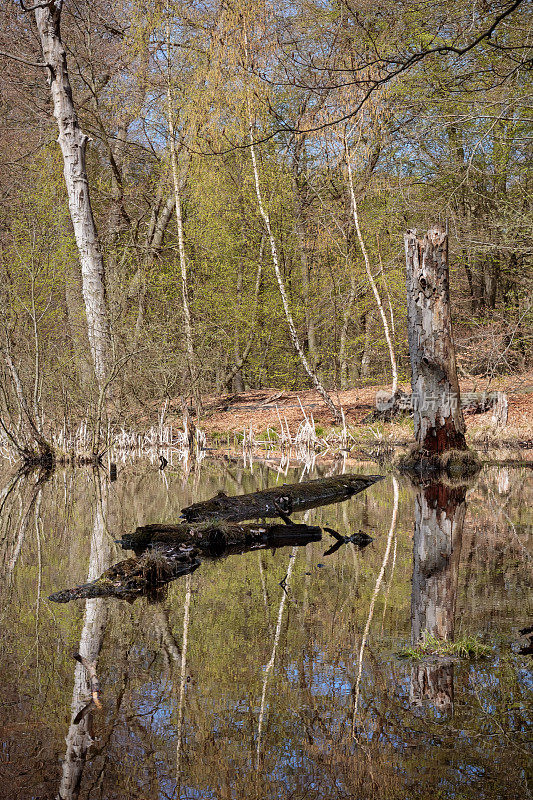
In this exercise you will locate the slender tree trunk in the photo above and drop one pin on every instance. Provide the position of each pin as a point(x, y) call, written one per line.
point(238, 382)
point(32, 446)
point(160, 217)
point(347, 315)
point(365, 356)
point(438, 418)
point(275, 260)
point(371, 280)
point(299, 231)
point(242, 357)
point(73, 144)
point(187, 323)
point(470, 279)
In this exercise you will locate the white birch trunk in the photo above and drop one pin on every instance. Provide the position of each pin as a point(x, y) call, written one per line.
point(187, 324)
point(73, 143)
point(372, 282)
point(275, 260)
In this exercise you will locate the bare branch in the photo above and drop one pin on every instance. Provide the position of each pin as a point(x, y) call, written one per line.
point(23, 60)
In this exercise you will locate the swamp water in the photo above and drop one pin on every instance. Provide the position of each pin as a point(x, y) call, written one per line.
point(271, 674)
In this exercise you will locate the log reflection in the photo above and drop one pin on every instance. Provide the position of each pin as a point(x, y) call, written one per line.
point(439, 517)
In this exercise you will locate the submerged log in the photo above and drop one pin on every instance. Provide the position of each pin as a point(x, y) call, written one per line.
point(133, 577)
point(280, 500)
point(167, 555)
point(213, 538)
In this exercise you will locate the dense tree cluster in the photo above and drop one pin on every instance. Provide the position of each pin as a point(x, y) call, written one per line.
point(296, 142)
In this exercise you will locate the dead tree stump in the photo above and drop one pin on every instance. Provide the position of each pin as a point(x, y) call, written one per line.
point(438, 419)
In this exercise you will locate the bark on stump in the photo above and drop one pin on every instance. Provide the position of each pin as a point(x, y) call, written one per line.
point(438, 419)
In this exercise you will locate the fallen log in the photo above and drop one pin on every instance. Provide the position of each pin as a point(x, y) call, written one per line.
point(388, 405)
point(279, 501)
point(216, 537)
point(166, 555)
point(133, 577)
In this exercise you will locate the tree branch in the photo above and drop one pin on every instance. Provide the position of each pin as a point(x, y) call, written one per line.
point(23, 60)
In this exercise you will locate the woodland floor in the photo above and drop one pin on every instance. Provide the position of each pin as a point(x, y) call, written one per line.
point(263, 409)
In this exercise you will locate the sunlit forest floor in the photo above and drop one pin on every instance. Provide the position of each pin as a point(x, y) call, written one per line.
point(265, 413)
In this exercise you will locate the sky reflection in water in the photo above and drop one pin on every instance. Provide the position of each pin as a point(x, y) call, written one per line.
point(265, 698)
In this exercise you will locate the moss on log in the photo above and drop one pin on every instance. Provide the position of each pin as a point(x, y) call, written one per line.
point(286, 499)
point(133, 577)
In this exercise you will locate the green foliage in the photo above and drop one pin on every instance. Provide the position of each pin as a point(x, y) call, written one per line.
point(446, 140)
point(465, 647)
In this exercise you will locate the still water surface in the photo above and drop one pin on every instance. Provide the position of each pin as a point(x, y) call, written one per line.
point(234, 686)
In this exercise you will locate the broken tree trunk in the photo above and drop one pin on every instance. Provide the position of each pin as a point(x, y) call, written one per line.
point(281, 500)
point(438, 419)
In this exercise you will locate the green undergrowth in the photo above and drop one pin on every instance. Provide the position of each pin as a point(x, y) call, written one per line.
point(464, 647)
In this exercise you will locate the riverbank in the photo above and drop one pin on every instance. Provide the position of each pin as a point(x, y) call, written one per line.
point(283, 424)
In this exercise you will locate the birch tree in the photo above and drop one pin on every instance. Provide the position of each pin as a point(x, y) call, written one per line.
point(73, 143)
point(311, 373)
point(371, 280)
point(187, 322)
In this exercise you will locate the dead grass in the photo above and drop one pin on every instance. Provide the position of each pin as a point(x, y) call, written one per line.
point(252, 413)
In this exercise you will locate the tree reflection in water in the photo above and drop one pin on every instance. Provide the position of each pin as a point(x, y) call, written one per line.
point(439, 516)
point(79, 737)
point(144, 746)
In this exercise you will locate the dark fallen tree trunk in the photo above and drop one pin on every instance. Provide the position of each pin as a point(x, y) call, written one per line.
point(133, 577)
point(167, 554)
point(213, 538)
point(281, 500)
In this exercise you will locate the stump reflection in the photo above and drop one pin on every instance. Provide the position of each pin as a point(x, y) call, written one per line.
point(439, 517)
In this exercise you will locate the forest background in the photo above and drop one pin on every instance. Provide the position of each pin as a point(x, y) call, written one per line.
point(252, 170)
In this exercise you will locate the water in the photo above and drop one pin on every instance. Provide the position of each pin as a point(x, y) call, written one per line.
point(292, 691)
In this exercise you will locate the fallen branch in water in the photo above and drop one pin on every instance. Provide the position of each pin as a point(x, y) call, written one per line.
point(286, 499)
point(133, 577)
point(166, 555)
